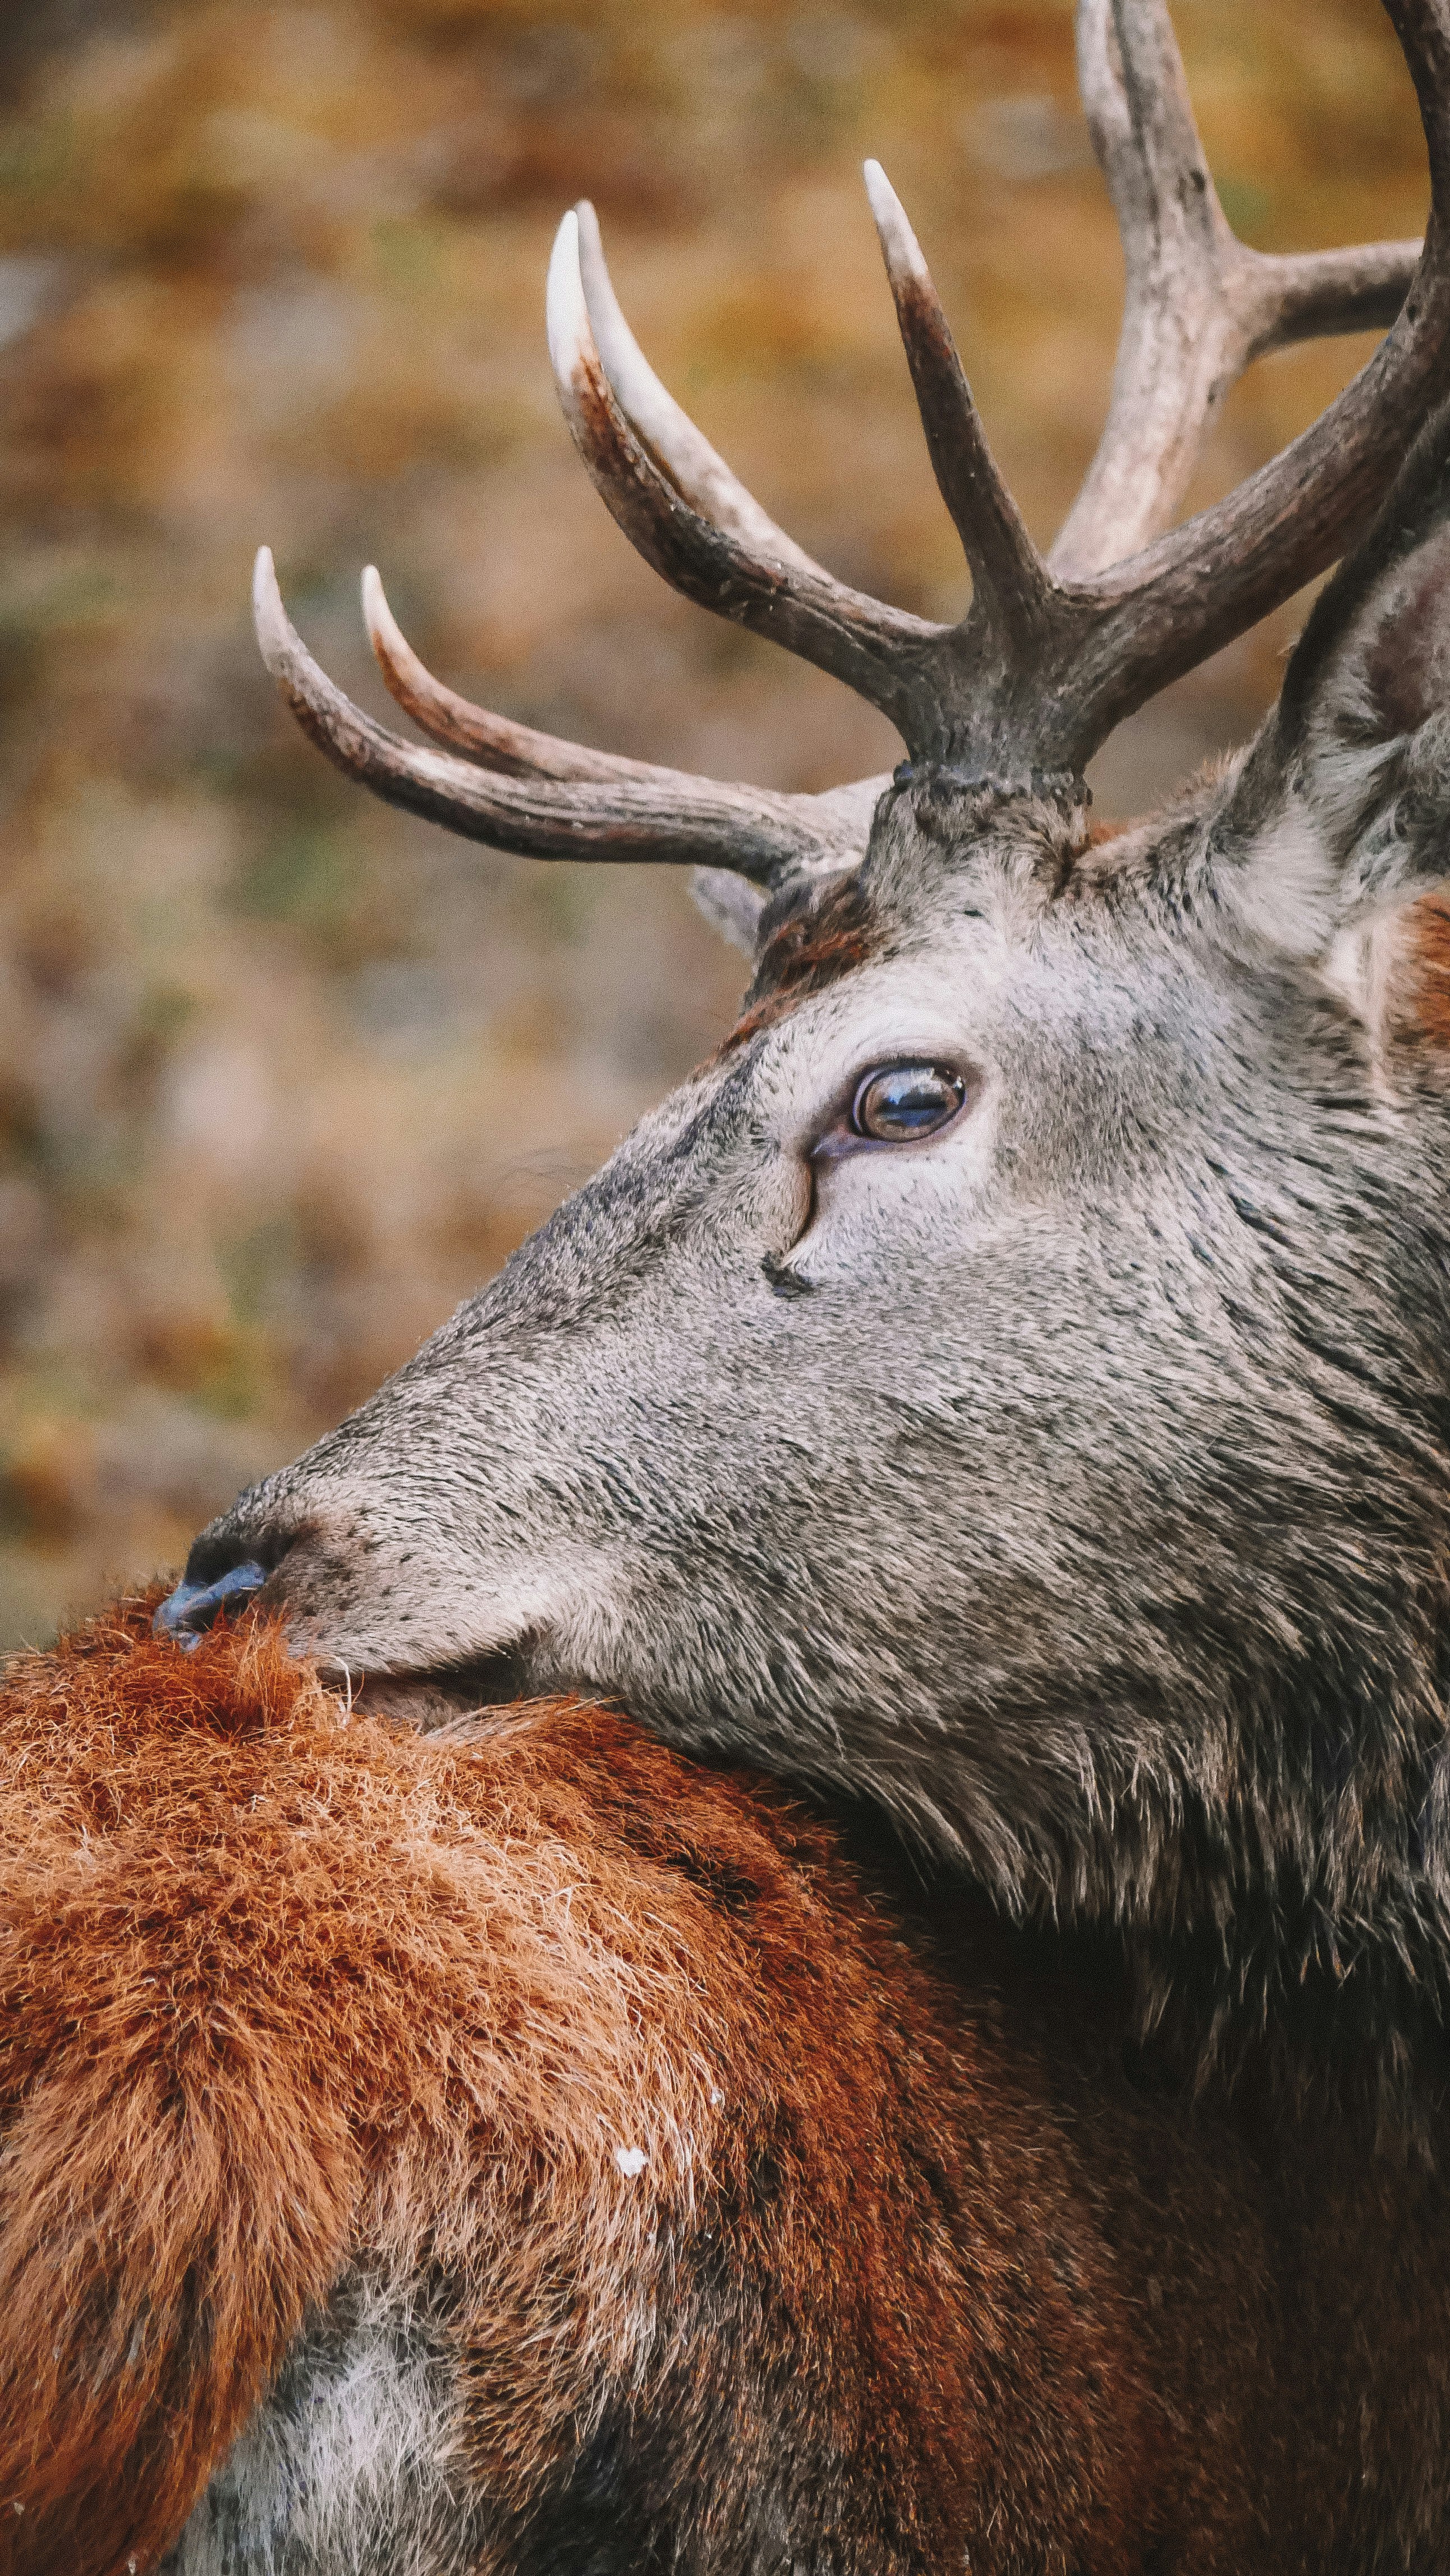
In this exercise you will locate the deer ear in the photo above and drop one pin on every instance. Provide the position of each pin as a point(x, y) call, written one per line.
point(1342, 808)
point(731, 904)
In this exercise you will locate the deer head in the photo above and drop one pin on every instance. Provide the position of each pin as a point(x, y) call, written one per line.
point(1012, 1380)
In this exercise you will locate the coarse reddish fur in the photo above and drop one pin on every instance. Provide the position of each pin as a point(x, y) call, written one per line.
point(1427, 1017)
point(285, 1989)
point(811, 948)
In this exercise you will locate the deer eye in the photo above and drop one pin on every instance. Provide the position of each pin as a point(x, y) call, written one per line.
point(903, 1101)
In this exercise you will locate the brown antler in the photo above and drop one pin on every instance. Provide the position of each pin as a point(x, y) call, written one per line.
point(1199, 306)
point(568, 804)
point(1052, 653)
point(1051, 656)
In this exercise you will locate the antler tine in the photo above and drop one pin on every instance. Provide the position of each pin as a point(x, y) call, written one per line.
point(649, 814)
point(1004, 562)
point(834, 823)
point(1198, 304)
point(698, 473)
point(1321, 294)
point(880, 651)
point(495, 742)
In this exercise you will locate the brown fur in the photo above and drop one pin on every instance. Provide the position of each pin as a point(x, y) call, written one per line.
point(809, 950)
point(1428, 1013)
point(284, 1989)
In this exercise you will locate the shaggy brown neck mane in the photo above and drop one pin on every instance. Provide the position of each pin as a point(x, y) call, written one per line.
point(519, 2148)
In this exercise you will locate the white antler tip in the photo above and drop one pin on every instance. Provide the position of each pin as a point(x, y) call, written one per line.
point(565, 312)
point(375, 609)
point(385, 635)
point(898, 242)
point(269, 617)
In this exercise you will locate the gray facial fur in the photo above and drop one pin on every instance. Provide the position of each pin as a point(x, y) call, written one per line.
point(1072, 1484)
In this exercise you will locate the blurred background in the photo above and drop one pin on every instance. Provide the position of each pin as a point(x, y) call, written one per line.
point(283, 1075)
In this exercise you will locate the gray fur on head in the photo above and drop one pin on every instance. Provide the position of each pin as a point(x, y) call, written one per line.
point(1073, 1483)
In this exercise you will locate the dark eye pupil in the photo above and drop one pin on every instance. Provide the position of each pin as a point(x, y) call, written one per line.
point(906, 1100)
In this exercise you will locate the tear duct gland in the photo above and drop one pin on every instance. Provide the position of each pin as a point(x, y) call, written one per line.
point(522, 2147)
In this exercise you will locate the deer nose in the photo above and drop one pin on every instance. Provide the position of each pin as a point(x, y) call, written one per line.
point(188, 1612)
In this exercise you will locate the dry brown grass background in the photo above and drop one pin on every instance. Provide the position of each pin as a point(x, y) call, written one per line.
point(283, 1074)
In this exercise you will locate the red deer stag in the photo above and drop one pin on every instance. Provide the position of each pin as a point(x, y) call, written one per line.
point(1007, 1391)
point(1010, 1382)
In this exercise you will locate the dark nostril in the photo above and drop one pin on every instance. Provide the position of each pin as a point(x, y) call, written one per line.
point(188, 1612)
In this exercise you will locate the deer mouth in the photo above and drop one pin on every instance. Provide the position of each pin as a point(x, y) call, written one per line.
point(429, 1698)
point(443, 1696)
